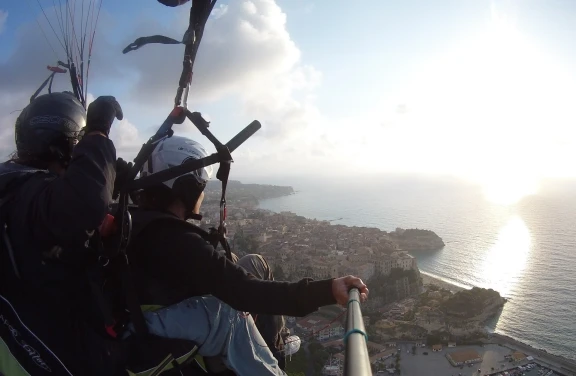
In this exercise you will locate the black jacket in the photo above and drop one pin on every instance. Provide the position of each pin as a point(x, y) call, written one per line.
point(172, 262)
point(50, 218)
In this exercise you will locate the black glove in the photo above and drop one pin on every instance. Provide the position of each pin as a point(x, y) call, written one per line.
point(101, 114)
point(122, 170)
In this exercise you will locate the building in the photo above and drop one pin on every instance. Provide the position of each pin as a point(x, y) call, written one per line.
point(382, 355)
point(375, 347)
point(332, 371)
point(334, 343)
point(308, 324)
point(366, 320)
point(437, 347)
point(404, 261)
point(321, 270)
point(366, 271)
point(459, 358)
point(362, 255)
point(324, 333)
point(383, 264)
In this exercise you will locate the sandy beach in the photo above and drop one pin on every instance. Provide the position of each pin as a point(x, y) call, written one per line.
point(428, 279)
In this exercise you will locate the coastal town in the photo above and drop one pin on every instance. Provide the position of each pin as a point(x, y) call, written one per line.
point(410, 323)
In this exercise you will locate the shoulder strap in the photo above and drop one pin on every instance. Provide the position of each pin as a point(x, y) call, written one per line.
point(6, 196)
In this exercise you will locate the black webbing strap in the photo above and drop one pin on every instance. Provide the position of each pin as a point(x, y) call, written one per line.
point(142, 41)
point(162, 366)
point(49, 79)
point(136, 315)
point(94, 275)
point(50, 85)
point(6, 196)
point(199, 13)
point(6, 244)
point(222, 175)
point(124, 272)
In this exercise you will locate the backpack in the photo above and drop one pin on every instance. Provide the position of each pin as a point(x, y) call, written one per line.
point(22, 352)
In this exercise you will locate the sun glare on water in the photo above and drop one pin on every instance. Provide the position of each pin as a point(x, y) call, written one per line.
point(506, 259)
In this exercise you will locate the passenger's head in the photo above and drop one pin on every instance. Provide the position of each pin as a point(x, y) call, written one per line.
point(184, 194)
point(47, 130)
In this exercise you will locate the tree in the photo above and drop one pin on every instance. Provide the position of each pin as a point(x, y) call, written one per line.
point(279, 274)
point(432, 339)
point(314, 347)
point(297, 364)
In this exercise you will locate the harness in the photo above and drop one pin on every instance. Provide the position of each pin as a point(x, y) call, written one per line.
point(199, 13)
point(142, 354)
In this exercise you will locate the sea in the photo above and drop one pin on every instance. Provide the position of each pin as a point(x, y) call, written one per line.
point(525, 250)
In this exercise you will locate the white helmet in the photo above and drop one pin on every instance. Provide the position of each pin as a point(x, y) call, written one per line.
point(174, 151)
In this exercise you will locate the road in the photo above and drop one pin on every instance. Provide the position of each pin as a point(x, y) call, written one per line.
point(561, 364)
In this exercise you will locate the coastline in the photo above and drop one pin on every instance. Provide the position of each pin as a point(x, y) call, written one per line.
point(429, 279)
point(560, 364)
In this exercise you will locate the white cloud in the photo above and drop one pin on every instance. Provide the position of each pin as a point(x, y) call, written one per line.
point(3, 18)
point(126, 138)
point(246, 53)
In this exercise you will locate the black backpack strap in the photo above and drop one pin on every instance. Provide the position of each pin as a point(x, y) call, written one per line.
point(6, 197)
point(6, 244)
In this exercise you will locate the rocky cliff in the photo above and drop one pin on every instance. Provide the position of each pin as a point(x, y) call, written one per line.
point(416, 239)
point(460, 314)
point(400, 284)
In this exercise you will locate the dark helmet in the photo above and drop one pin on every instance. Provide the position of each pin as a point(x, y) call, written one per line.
point(47, 129)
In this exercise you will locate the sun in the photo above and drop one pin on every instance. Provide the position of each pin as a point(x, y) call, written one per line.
point(509, 190)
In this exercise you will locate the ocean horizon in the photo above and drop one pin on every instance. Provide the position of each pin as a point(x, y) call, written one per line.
point(525, 251)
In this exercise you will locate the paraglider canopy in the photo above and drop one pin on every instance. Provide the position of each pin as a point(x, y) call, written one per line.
point(173, 3)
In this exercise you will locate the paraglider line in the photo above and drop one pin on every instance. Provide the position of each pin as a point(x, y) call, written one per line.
point(72, 13)
point(59, 19)
point(49, 23)
point(95, 24)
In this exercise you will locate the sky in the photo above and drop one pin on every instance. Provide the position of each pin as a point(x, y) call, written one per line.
point(482, 90)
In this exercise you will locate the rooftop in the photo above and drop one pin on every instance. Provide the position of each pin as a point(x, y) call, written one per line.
point(382, 354)
point(464, 355)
